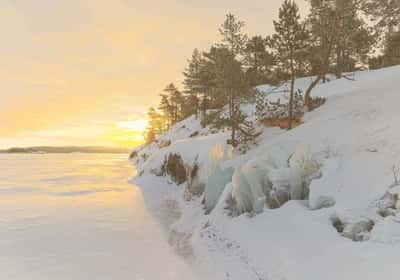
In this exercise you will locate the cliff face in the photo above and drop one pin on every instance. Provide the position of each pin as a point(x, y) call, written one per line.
point(318, 202)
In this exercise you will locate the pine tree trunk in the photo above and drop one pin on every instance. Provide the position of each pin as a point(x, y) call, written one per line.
point(321, 76)
point(197, 106)
point(175, 114)
point(232, 119)
point(256, 68)
point(291, 95)
point(204, 105)
point(307, 95)
point(204, 108)
point(233, 136)
point(291, 103)
point(339, 63)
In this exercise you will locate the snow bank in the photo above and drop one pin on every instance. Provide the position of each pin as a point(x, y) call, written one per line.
point(343, 154)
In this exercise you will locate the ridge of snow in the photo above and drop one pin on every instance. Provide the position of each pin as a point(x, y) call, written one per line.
point(357, 135)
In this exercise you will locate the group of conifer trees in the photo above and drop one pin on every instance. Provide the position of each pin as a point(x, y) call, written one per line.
point(337, 36)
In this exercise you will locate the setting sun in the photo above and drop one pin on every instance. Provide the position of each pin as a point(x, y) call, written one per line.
point(127, 133)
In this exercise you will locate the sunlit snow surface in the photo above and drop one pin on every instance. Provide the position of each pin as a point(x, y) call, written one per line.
point(355, 136)
point(74, 216)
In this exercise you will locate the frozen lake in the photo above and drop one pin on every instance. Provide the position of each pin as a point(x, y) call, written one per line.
point(74, 216)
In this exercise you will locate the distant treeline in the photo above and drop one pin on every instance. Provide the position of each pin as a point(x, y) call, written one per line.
point(65, 150)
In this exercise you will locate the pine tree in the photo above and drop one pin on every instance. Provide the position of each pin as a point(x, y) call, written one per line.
point(232, 85)
point(176, 102)
point(385, 13)
point(193, 82)
point(340, 40)
point(354, 38)
point(257, 61)
point(199, 80)
point(167, 110)
point(190, 106)
point(289, 44)
point(232, 37)
point(156, 121)
point(386, 16)
point(391, 52)
point(149, 135)
point(321, 22)
point(156, 125)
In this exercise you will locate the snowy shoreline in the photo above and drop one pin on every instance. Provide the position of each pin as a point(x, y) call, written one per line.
point(345, 227)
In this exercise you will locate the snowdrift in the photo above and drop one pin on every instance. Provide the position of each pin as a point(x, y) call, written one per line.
point(318, 202)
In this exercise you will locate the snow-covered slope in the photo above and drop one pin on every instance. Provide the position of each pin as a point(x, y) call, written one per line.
point(348, 228)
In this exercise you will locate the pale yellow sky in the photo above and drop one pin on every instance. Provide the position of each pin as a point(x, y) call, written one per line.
point(71, 70)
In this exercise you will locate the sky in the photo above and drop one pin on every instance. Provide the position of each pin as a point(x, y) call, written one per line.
point(84, 72)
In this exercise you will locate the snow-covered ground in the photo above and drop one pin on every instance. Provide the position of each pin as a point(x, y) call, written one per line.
point(348, 227)
point(74, 216)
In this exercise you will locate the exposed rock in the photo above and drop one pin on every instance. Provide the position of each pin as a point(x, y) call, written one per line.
point(133, 155)
point(175, 167)
point(356, 230)
point(194, 134)
point(387, 204)
point(164, 143)
point(194, 186)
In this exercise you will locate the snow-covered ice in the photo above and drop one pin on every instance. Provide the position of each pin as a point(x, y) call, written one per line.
point(74, 216)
